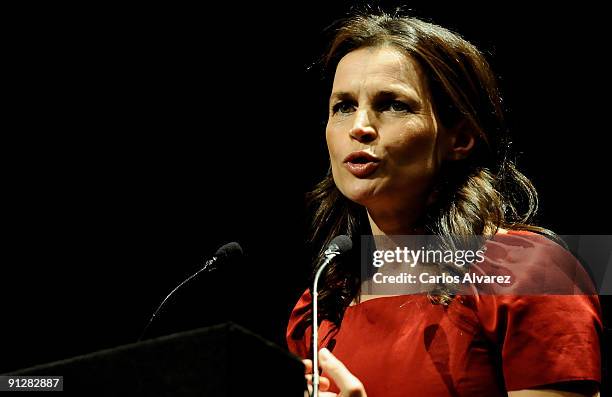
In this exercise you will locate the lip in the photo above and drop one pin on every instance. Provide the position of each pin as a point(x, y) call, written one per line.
point(361, 163)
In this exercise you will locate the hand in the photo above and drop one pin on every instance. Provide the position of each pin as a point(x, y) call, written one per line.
point(348, 384)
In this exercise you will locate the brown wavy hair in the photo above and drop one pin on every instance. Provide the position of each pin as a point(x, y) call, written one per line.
point(475, 196)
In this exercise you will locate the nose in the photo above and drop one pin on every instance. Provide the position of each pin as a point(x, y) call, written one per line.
point(362, 129)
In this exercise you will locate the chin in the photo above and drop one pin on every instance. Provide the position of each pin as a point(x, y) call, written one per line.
point(360, 191)
point(361, 195)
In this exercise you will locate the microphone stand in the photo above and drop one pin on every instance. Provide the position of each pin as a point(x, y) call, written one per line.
point(330, 254)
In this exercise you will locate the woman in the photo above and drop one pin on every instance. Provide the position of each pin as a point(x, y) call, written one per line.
point(417, 145)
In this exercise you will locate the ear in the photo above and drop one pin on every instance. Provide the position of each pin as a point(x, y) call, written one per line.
point(462, 139)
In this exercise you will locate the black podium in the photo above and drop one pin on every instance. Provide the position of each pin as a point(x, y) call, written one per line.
point(222, 360)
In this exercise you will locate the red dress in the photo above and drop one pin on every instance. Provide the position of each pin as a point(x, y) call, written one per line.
point(479, 345)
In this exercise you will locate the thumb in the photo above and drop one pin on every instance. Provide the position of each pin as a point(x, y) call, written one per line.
point(334, 369)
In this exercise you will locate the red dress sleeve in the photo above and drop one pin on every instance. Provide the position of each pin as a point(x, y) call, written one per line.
point(544, 339)
point(299, 331)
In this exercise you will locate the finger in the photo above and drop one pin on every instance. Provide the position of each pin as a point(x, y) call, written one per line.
point(307, 366)
point(324, 382)
point(323, 386)
point(334, 368)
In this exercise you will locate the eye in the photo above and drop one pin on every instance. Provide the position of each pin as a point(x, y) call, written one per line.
point(395, 106)
point(343, 107)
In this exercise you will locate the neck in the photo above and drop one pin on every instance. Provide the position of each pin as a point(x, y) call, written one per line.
point(385, 225)
point(395, 222)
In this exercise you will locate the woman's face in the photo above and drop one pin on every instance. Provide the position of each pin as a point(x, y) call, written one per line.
point(384, 142)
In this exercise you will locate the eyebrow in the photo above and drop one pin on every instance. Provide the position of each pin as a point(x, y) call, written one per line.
point(384, 94)
point(340, 95)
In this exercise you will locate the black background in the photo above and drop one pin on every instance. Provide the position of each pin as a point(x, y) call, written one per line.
point(141, 139)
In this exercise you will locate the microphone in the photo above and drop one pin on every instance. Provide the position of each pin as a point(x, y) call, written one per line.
point(226, 251)
point(339, 245)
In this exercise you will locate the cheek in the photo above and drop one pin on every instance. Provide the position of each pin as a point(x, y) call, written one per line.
point(333, 144)
point(413, 148)
point(336, 156)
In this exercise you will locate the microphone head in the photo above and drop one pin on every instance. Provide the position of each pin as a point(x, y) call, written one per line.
point(342, 243)
point(229, 249)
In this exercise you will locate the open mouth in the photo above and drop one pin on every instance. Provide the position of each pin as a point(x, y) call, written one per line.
point(361, 157)
point(360, 160)
point(361, 164)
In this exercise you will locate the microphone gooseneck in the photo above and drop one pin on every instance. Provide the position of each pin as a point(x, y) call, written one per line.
point(339, 245)
point(225, 251)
